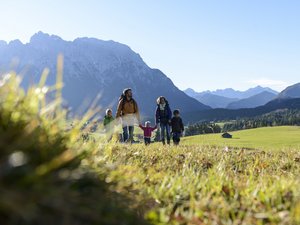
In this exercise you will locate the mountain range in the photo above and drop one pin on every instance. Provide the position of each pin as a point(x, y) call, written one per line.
point(232, 114)
point(93, 67)
point(289, 98)
point(214, 101)
point(231, 93)
point(232, 99)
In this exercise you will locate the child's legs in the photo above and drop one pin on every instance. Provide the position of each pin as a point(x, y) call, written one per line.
point(147, 141)
point(176, 138)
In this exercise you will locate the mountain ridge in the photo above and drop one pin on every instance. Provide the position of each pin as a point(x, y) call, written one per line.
point(253, 101)
point(292, 91)
point(222, 98)
point(93, 66)
point(232, 93)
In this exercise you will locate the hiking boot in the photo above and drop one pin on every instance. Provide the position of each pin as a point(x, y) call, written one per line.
point(168, 142)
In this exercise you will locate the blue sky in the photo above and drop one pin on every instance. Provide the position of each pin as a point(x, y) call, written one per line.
point(198, 44)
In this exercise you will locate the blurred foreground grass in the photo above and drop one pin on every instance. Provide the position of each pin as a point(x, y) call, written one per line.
point(41, 177)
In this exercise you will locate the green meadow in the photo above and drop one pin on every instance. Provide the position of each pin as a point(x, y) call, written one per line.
point(267, 138)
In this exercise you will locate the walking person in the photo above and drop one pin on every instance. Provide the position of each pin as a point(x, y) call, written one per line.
point(128, 112)
point(147, 132)
point(163, 117)
point(177, 127)
point(108, 124)
point(108, 119)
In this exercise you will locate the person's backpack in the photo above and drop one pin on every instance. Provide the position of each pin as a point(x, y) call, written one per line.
point(123, 99)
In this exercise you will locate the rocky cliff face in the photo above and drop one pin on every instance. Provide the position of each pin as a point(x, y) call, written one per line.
point(93, 67)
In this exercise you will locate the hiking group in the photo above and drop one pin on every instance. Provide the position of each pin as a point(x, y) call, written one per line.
point(128, 115)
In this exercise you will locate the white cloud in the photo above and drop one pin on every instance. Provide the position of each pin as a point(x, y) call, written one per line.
point(266, 82)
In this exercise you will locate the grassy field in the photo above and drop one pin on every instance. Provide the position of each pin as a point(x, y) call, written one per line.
point(51, 174)
point(196, 184)
point(200, 183)
point(267, 138)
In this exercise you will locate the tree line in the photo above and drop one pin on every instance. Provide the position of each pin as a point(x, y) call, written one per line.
point(202, 128)
point(276, 118)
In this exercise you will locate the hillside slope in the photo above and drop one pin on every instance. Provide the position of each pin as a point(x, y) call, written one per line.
point(231, 114)
point(93, 67)
point(253, 101)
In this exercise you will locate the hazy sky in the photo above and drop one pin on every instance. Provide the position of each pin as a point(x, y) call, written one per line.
point(199, 44)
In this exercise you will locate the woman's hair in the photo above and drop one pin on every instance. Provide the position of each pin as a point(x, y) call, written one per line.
point(126, 90)
point(107, 111)
point(160, 98)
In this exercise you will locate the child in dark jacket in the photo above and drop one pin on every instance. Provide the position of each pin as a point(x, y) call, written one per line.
point(177, 127)
point(147, 132)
